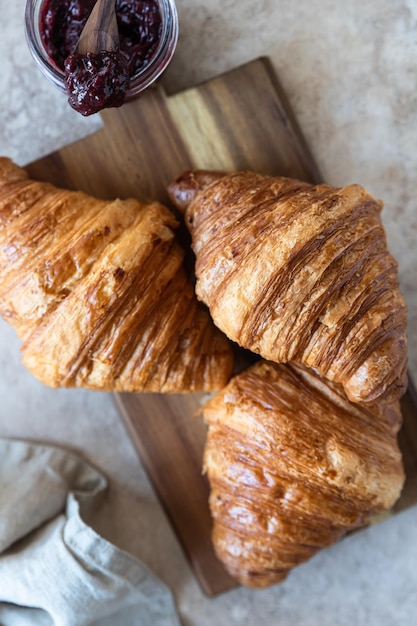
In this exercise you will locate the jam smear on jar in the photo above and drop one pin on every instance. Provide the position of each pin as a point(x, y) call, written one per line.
point(61, 22)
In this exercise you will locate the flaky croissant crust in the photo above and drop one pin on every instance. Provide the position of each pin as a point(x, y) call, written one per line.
point(293, 466)
point(299, 273)
point(98, 293)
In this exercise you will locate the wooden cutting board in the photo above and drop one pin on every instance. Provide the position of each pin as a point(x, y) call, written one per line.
point(236, 121)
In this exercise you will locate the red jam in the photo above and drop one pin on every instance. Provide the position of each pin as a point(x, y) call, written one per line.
point(98, 81)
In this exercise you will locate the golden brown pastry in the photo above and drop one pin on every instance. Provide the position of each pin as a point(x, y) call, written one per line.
point(299, 273)
point(293, 466)
point(98, 294)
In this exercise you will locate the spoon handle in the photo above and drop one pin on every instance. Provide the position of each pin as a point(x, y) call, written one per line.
point(100, 31)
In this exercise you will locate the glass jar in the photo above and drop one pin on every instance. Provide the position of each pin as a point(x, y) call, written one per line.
point(139, 81)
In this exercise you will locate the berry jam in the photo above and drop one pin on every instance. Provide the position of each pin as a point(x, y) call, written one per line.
point(96, 81)
point(61, 22)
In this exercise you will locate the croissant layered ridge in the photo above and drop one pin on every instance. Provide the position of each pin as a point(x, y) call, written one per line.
point(98, 294)
point(293, 466)
point(300, 273)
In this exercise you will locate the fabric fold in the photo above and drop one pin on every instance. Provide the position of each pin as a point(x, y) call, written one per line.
point(54, 568)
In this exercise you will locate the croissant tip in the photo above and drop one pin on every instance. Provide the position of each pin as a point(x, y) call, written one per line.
point(10, 171)
point(182, 190)
point(186, 186)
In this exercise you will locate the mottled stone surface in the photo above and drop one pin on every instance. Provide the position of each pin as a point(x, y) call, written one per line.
point(349, 70)
point(35, 116)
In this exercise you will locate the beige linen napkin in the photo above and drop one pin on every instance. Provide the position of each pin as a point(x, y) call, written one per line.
point(54, 568)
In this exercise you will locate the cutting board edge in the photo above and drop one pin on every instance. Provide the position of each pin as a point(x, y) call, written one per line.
point(211, 591)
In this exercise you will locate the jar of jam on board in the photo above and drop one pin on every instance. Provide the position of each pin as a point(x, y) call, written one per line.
point(148, 34)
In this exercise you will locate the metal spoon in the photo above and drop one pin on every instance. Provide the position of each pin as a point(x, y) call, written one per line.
point(100, 31)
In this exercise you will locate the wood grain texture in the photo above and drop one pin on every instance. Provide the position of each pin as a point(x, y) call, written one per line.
point(169, 434)
point(100, 31)
point(236, 121)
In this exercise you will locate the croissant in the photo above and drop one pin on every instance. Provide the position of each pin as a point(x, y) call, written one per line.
point(293, 466)
point(299, 273)
point(98, 293)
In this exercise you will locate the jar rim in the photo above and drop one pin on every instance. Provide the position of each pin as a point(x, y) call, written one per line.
point(140, 80)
